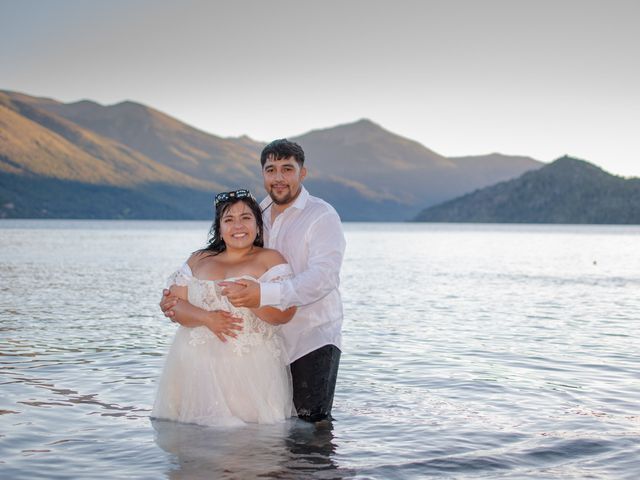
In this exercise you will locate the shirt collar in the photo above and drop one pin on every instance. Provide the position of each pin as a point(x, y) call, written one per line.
point(301, 201)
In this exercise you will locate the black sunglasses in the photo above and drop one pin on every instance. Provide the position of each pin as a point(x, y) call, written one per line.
point(226, 196)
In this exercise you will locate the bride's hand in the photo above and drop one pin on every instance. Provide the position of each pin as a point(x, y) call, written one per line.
point(223, 323)
point(167, 302)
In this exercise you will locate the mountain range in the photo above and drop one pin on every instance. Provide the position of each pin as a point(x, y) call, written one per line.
point(86, 160)
point(567, 190)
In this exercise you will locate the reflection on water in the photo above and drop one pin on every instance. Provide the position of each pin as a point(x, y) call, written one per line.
point(294, 449)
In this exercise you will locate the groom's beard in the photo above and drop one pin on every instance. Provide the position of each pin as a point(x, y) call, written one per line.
point(285, 198)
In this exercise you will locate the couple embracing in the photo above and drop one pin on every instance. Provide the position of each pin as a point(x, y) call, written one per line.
point(259, 309)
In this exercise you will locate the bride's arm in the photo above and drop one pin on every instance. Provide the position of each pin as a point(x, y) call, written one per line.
point(221, 323)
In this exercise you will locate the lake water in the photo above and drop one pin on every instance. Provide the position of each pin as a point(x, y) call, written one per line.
point(470, 351)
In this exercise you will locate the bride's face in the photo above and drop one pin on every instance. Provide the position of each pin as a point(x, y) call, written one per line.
point(238, 226)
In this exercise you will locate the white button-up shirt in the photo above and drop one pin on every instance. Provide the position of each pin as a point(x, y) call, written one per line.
point(309, 235)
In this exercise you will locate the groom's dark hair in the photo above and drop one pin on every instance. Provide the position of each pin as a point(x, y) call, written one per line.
point(280, 149)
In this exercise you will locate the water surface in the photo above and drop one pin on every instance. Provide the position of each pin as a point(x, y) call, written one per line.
point(470, 351)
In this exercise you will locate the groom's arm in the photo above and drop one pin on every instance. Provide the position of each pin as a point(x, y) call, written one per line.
point(326, 245)
point(273, 315)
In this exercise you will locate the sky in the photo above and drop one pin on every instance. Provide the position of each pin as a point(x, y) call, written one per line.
point(539, 78)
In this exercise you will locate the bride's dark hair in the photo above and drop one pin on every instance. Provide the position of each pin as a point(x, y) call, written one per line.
point(215, 243)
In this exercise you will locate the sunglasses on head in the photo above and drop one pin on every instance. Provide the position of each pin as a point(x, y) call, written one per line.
point(226, 196)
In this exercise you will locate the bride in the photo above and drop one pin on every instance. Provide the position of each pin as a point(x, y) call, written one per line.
point(227, 365)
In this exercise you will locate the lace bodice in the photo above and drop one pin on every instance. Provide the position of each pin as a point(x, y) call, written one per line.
point(206, 294)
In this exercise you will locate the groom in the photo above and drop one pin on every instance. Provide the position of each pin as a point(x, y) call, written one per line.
point(308, 233)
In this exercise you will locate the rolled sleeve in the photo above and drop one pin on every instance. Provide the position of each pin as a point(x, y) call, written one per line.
point(270, 294)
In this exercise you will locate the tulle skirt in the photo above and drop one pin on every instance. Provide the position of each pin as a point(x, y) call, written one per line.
point(215, 383)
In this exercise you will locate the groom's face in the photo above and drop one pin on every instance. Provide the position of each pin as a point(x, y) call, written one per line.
point(283, 179)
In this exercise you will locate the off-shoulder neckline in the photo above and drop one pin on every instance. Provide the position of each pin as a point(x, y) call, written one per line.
point(189, 272)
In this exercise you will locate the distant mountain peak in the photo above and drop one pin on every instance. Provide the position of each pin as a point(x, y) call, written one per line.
point(129, 104)
point(568, 190)
point(85, 103)
point(365, 122)
point(567, 165)
point(363, 125)
point(573, 161)
point(120, 105)
point(131, 107)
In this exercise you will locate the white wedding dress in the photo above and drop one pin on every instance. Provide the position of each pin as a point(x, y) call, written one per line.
point(210, 382)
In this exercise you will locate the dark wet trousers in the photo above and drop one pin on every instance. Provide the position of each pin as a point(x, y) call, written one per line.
point(314, 383)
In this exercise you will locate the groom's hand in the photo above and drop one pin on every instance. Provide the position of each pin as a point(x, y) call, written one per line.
point(242, 293)
point(167, 302)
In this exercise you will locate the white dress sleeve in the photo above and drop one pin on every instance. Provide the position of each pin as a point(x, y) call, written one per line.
point(180, 277)
point(276, 274)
